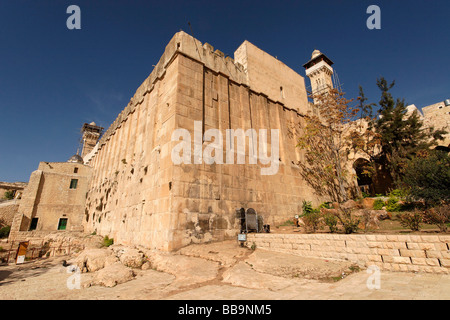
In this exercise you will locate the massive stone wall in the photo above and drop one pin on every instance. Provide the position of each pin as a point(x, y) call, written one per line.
point(269, 75)
point(139, 196)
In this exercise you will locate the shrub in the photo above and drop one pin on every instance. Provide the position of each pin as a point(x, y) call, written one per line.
point(312, 221)
point(307, 207)
point(9, 195)
point(4, 232)
point(398, 193)
point(107, 241)
point(439, 216)
point(392, 204)
point(331, 221)
point(349, 222)
point(411, 220)
point(326, 205)
point(378, 204)
point(428, 177)
point(311, 217)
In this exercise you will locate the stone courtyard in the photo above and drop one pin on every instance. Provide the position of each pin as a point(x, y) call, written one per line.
point(215, 271)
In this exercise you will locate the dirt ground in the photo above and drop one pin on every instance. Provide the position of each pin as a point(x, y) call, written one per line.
point(222, 271)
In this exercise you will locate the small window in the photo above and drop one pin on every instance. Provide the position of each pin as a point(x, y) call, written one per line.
point(62, 224)
point(75, 170)
point(33, 224)
point(73, 183)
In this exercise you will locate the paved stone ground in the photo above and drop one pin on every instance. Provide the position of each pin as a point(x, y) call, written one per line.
point(225, 271)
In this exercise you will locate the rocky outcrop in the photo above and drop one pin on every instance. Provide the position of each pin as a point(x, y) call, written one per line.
point(109, 266)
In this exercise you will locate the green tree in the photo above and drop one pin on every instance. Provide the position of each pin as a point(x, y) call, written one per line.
point(427, 176)
point(394, 137)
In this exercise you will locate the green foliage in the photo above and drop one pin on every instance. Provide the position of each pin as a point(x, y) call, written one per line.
point(392, 204)
point(4, 232)
point(365, 195)
point(393, 138)
point(311, 217)
point(378, 204)
point(326, 205)
point(428, 177)
point(9, 195)
point(348, 221)
point(107, 241)
point(331, 221)
point(307, 207)
point(312, 221)
point(411, 220)
point(402, 135)
point(399, 193)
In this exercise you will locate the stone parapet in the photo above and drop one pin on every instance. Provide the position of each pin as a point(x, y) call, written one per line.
point(410, 253)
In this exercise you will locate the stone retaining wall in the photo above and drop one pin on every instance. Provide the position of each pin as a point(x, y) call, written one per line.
point(413, 253)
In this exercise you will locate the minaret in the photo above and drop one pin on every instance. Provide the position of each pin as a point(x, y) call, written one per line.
point(90, 135)
point(319, 72)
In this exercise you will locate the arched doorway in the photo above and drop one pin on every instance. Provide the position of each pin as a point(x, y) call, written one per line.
point(362, 169)
point(442, 148)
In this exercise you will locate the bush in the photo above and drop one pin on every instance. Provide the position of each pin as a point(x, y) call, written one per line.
point(4, 232)
point(398, 193)
point(307, 207)
point(312, 221)
point(107, 241)
point(9, 195)
point(439, 216)
point(331, 221)
point(311, 217)
point(411, 220)
point(392, 204)
point(349, 222)
point(378, 204)
point(428, 177)
point(326, 205)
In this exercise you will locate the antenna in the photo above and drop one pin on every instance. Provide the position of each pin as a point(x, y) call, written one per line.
point(336, 82)
point(192, 34)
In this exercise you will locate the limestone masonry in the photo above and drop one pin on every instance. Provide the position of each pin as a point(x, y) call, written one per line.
point(125, 184)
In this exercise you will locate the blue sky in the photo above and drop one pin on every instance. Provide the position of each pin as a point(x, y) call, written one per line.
point(53, 79)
